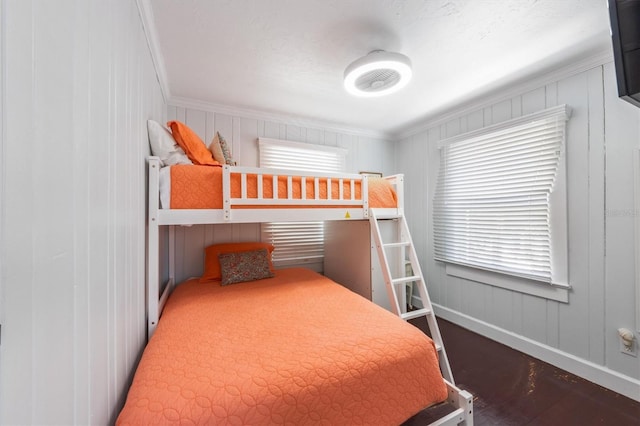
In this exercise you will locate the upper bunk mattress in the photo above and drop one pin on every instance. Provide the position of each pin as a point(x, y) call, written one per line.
point(294, 349)
point(200, 187)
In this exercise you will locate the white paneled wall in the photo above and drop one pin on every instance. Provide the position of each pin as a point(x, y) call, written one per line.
point(78, 86)
point(365, 154)
point(603, 134)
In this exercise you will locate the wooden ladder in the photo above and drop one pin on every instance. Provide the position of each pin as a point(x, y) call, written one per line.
point(405, 247)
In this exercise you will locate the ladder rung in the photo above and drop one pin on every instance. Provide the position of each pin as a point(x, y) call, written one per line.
point(400, 244)
point(406, 279)
point(415, 314)
point(388, 216)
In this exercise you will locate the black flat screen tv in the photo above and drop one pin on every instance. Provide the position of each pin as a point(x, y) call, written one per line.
point(625, 32)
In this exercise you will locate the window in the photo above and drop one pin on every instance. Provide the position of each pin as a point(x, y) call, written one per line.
point(298, 243)
point(500, 200)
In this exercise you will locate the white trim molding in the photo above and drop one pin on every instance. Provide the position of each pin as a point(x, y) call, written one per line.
point(558, 292)
point(149, 27)
point(588, 370)
point(277, 117)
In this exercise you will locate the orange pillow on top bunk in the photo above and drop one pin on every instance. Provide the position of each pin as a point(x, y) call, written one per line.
point(191, 143)
point(212, 269)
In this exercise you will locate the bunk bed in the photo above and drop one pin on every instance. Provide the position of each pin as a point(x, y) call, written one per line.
point(293, 347)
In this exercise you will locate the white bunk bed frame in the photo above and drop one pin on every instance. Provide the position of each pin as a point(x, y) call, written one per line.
point(302, 210)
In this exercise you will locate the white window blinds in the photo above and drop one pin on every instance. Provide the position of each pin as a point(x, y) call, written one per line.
point(301, 156)
point(492, 206)
point(298, 242)
point(295, 242)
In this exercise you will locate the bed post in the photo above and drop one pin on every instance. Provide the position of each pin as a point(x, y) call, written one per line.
point(153, 252)
point(226, 192)
point(400, 192)
point(365, 195)
point(172, 254)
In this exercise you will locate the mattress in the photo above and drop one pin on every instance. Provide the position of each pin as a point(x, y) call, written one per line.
point(200, 187)
point(294, 349)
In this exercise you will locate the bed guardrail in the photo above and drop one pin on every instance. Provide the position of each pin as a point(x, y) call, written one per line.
point(320, 181)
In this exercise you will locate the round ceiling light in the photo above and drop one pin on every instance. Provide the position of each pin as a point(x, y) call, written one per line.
point(377, 74)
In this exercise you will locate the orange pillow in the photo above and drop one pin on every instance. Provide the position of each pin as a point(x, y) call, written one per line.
point(191, 143)
point(212, 270)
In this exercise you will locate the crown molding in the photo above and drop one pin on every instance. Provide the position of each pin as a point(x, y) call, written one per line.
point(276, 117)
point(149, 27)
point(594, 60)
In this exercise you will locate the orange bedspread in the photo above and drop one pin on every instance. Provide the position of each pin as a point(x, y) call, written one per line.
point(200, 187)
point(294, 349)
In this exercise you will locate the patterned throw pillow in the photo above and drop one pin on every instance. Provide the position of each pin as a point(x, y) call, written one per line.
point(216, 149)
point(212, 270)
point(225, 150)
point(244, 266)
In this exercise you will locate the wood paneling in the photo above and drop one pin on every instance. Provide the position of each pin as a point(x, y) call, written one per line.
point(80, 85)
point(622, 138)
point(602, 134)
point(364, 154)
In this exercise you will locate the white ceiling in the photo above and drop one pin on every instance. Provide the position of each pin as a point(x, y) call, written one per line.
point(288, 56)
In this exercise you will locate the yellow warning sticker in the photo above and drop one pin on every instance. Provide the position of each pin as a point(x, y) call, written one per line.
point(347, 215)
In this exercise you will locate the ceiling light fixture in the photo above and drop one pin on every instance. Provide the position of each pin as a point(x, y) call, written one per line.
point(377, 74)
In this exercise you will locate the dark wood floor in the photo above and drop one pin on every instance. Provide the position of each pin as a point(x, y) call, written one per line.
point(511, 388)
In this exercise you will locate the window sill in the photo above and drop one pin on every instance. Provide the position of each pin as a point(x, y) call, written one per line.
point(521, 285)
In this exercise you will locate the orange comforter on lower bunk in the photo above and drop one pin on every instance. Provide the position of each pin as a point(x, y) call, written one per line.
point(294, 349)
point(200, 187)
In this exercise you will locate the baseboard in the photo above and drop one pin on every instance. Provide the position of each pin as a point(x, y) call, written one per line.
point(588, 370)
